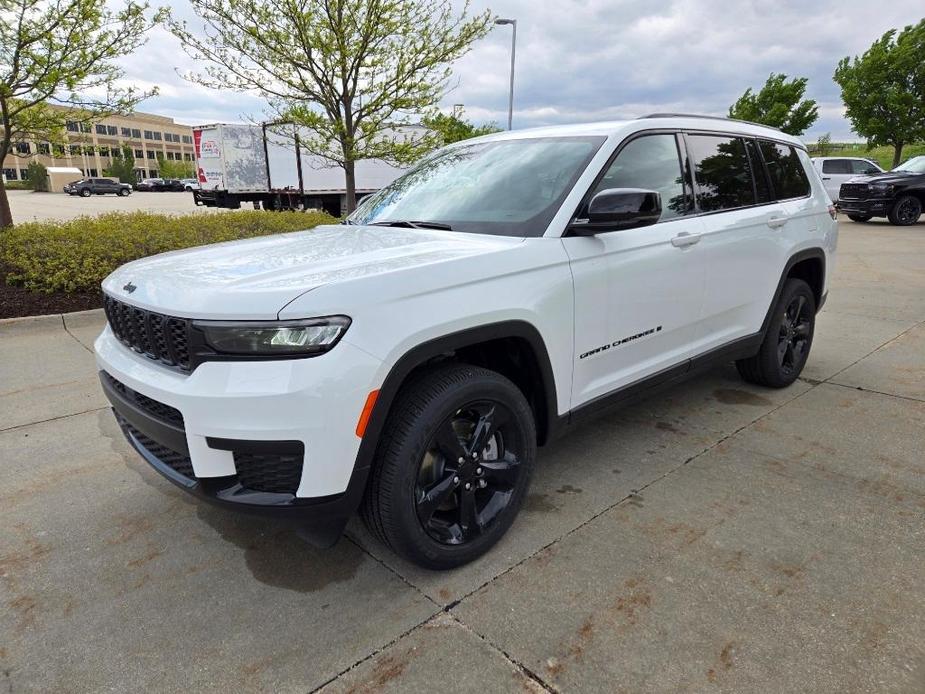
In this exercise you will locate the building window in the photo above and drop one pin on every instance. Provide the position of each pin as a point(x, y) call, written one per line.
point(85, 128)
point(23, 148)
point(126, 132)
point(157, 135)
point(100, 129)
point(10, 174)
point(44, 148)
point(59, 150)
point(149, 135)
point(140, 173)
point(136, 133)
point(71, 125)
point(151, 154)
point(187, 140)
point(111, 130)
point(139, 154)
point(74, 150)
point(188, 157)
point(89, 149)
point(104, 151)
point(24, 174)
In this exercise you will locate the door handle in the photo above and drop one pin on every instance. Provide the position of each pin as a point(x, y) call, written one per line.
point(685, 239)
point(826, 178)
point(776, 222)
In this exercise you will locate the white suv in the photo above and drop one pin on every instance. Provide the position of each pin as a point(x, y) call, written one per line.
point(409, 361)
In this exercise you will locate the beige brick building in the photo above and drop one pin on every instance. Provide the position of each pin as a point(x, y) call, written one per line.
point(88, 146)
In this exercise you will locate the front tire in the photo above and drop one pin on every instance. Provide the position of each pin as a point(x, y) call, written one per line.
point(906, 211)
point(453, 466)
point(859, 217)
point(85, 193)
point(787, 341)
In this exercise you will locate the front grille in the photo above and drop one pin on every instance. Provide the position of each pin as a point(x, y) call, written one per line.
point(853, 191)
point(264, 472)
point(158, 410)
point(162, 338)
point(178, 462)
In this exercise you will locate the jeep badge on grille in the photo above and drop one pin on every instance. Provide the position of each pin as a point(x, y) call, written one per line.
point(130, 287)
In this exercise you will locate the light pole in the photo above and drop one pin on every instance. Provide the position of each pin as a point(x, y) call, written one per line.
point(510, 103)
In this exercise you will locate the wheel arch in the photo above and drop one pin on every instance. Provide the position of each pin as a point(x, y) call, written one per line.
point(514, 348)
point(807, 265)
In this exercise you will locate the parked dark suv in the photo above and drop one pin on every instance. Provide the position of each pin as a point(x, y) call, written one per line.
point(86, 187)
point(898, 194)
point(160, 185)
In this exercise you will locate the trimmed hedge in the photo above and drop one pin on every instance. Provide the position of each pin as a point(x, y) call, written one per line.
point(76, 255)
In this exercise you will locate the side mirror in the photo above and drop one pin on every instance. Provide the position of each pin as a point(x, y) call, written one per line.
point(614, 209)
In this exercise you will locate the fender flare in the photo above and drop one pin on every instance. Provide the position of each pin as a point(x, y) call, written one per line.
point(416, 356)
point(815, 253)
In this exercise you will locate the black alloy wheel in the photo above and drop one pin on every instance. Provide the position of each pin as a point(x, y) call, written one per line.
point(793, 335)
point(787, 340)
point(468, 474)
point(452, 465)
point(906, 211)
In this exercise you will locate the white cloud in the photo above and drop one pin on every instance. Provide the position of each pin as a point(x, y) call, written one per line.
point(603, 59)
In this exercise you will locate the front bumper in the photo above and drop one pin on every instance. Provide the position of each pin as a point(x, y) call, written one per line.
point(874, 207)
point(268, 437)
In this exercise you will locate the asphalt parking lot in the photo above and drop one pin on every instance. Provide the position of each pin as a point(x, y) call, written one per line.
point(721, 537)
point(29, 207)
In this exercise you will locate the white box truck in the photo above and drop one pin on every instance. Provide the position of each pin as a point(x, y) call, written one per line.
point(268, 166)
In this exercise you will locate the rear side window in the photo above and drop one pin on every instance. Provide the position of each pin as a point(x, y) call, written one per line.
point(788, 179)
point(722, 172)
point(762, 189)
point(837, 166)
point(651, 162)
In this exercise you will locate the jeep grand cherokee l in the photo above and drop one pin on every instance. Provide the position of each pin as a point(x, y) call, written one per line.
point(408, 362)
point(898, 194)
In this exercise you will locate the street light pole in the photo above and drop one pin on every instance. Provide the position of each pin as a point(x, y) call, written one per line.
point(510, 104)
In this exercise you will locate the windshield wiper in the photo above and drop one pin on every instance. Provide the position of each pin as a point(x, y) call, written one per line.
point(412, 224)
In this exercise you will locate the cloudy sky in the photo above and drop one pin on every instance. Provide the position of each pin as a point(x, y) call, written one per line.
point(587, 60)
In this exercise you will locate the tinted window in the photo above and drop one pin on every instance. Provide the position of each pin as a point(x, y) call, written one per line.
point(837, 166)
point(722, 172)
point(651, 163)
point(860, 166)
point(788, 179)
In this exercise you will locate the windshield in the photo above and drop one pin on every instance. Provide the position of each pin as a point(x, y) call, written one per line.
point(914, 165)
point(505, 187)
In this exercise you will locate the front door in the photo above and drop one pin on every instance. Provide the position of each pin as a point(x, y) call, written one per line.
point(638, 292)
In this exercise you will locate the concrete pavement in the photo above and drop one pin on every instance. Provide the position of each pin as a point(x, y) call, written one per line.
point(719, 537)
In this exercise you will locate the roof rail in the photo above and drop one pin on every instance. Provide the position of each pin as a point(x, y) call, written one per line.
point(700, 115)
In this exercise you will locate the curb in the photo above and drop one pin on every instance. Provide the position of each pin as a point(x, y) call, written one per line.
point(30, 324)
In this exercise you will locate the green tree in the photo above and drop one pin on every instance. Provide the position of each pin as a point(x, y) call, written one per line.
point(171, 168)
point(349, 71)
point(123, 165)
point(884, 89)
point(453, 127)
point(37, 175)
point(824, 144)
point(57, 53)
point(779, 103)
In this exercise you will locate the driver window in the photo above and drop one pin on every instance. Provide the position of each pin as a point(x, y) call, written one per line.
point(651, 162)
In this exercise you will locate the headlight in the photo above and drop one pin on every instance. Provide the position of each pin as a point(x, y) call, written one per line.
point(880, 188)
point(289, 338)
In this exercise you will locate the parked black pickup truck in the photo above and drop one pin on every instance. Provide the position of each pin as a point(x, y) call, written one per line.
point(898, 194)
point(86, 187)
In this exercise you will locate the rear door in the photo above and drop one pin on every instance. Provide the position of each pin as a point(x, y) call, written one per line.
point(834, 173)
point(638, 291)
point(743, 224)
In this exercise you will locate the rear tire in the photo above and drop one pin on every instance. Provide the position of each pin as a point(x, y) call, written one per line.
point(859, 217)
point(452, 467)
point(906, 211)
point(787, 341)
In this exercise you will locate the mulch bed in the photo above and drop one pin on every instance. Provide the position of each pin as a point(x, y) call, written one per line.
point(16, 301)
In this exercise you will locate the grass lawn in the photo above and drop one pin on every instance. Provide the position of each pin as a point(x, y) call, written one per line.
point(881, 155)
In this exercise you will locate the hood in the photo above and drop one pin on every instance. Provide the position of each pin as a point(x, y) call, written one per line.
point(254, 279)
point(887, 177)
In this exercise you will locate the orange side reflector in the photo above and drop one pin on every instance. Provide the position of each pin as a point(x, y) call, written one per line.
point(367, 411)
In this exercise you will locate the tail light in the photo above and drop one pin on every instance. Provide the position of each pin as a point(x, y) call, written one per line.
point(833, 213)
